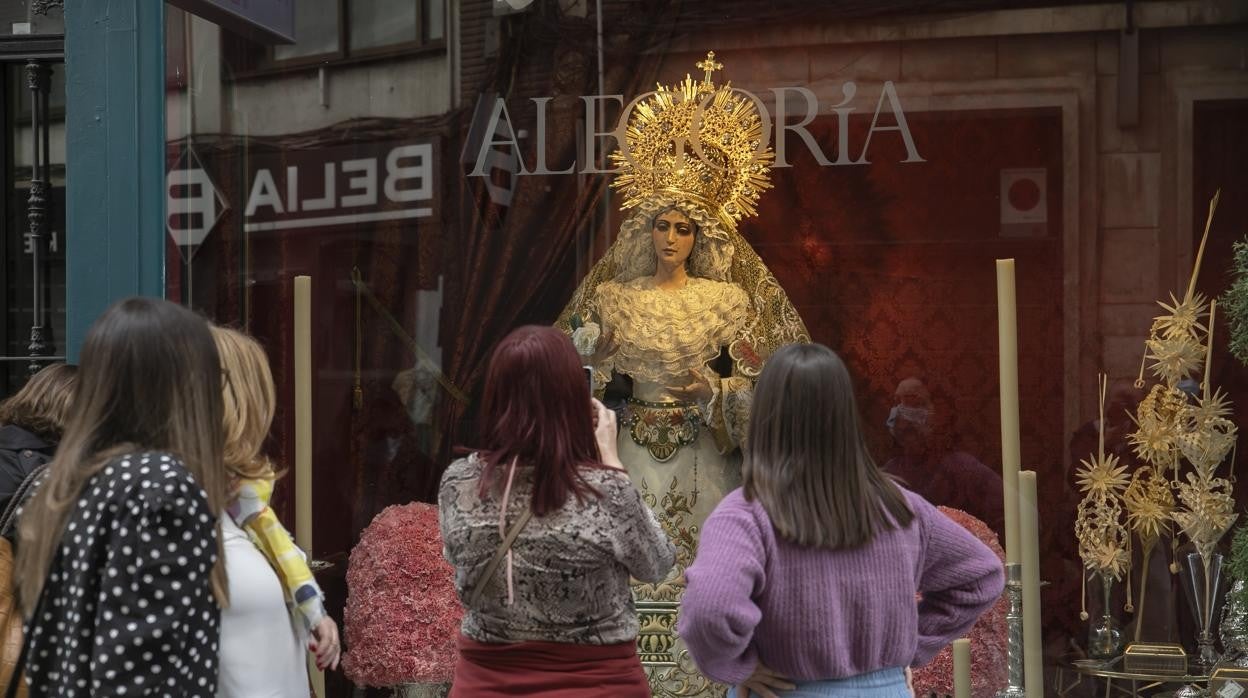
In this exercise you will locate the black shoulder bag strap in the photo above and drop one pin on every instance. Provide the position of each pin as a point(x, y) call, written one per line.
point(479, 588)
point(18, 499)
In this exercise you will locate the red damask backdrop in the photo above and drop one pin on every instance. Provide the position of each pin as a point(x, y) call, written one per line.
point(892, 264)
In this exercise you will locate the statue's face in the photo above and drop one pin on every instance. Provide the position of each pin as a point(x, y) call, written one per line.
point(673, 235)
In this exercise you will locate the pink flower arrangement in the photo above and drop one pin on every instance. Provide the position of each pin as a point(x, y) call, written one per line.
point(988, 636)
point(403, 615)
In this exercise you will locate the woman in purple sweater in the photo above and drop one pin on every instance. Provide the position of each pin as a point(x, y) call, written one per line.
point(806, 576)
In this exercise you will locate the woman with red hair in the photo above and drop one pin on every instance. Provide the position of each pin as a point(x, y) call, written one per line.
point(544, 529)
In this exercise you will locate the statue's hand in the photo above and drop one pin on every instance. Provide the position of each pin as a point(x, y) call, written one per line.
point(698, 389)
point(604, 349)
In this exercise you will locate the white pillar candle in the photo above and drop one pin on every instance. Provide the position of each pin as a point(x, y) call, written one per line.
point(303, 413)
point(1007, 331)
point(303, 438)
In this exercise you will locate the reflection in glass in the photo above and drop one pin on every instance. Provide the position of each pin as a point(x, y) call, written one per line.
point(18, 280)
point(382, 23)
point(434, 27)
point(56, 98)
point(18, 17)
point(316, 27)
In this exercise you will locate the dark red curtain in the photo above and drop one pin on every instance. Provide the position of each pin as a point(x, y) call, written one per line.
point(517, 264)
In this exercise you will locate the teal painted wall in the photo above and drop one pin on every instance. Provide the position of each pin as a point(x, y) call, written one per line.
point(115, 156)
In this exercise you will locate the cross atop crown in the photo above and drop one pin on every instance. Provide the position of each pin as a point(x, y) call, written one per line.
point(709, 66)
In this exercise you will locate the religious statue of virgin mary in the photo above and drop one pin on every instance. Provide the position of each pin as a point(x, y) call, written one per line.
point(677, 321)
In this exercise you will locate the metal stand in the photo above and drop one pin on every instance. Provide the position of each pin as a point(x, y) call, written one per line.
point(1014, 626)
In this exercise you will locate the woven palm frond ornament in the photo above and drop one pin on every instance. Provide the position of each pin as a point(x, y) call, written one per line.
point(1183, 438)
point(1099, 526)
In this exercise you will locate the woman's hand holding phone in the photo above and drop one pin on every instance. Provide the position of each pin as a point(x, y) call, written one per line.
point(605, 431)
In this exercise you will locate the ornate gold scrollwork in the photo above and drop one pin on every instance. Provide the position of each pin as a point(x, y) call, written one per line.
point(669, 668)
point(662, 428)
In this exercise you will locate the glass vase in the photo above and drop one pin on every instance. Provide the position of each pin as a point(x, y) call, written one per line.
point(1202, 579)
point(1105, 634)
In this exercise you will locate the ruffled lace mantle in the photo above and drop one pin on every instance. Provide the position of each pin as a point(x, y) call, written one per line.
point(663, 334)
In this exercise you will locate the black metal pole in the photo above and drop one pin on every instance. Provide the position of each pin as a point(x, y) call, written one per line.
point(38, 81)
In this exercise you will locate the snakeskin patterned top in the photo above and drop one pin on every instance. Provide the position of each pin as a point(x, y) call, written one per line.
point(570, 568)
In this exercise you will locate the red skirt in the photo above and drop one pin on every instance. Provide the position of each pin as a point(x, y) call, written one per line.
point(548, 669)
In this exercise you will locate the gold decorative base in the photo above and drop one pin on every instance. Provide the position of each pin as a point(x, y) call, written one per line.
point(669, 668)
point(1155, 658)
point(657, 636)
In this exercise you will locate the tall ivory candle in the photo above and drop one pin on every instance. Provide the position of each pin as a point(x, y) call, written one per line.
point(303, 413)
point(1029, 531)
point(1007, 331)
point(303, 437)
point(962, 668)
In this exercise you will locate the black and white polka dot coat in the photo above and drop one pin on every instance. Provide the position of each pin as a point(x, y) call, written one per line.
point(128, 608)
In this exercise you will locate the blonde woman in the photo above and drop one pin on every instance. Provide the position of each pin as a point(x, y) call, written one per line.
point(257, 658)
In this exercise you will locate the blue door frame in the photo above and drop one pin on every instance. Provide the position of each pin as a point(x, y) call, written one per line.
point(115, 156)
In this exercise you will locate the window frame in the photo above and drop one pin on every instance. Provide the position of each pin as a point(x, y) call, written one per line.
point(267, 65)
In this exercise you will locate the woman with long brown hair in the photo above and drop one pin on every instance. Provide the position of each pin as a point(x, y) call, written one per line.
point(31, 423)
point(544, 529)
point(806, 577)
point(117, 565)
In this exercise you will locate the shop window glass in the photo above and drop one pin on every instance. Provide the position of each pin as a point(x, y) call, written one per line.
point(17, 282)
point(441, 182)
point(24, 17)
point(316, 31)
point(175, 57)
point(329, 31)
point(434, 19)
point(382, 23)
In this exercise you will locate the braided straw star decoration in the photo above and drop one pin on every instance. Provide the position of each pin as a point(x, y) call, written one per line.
point(1209, 434)
point(1174, 358)
point(1207, 513)
point(1150, 504)
point(1183, 318)
point(1102, 476)
point(1103, 538)
point(1159, 420)
point(1208, 508)
point(1174, 344)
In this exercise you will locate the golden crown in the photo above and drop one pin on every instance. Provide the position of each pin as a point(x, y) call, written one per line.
point(697, 142)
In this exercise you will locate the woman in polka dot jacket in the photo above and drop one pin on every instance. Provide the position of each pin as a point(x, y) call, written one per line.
point(117, 564)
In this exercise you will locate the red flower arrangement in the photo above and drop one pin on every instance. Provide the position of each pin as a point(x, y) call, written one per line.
point(988, 636)
point(403, 615)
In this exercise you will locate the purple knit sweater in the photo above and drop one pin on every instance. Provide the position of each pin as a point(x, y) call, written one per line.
point(813, 614)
